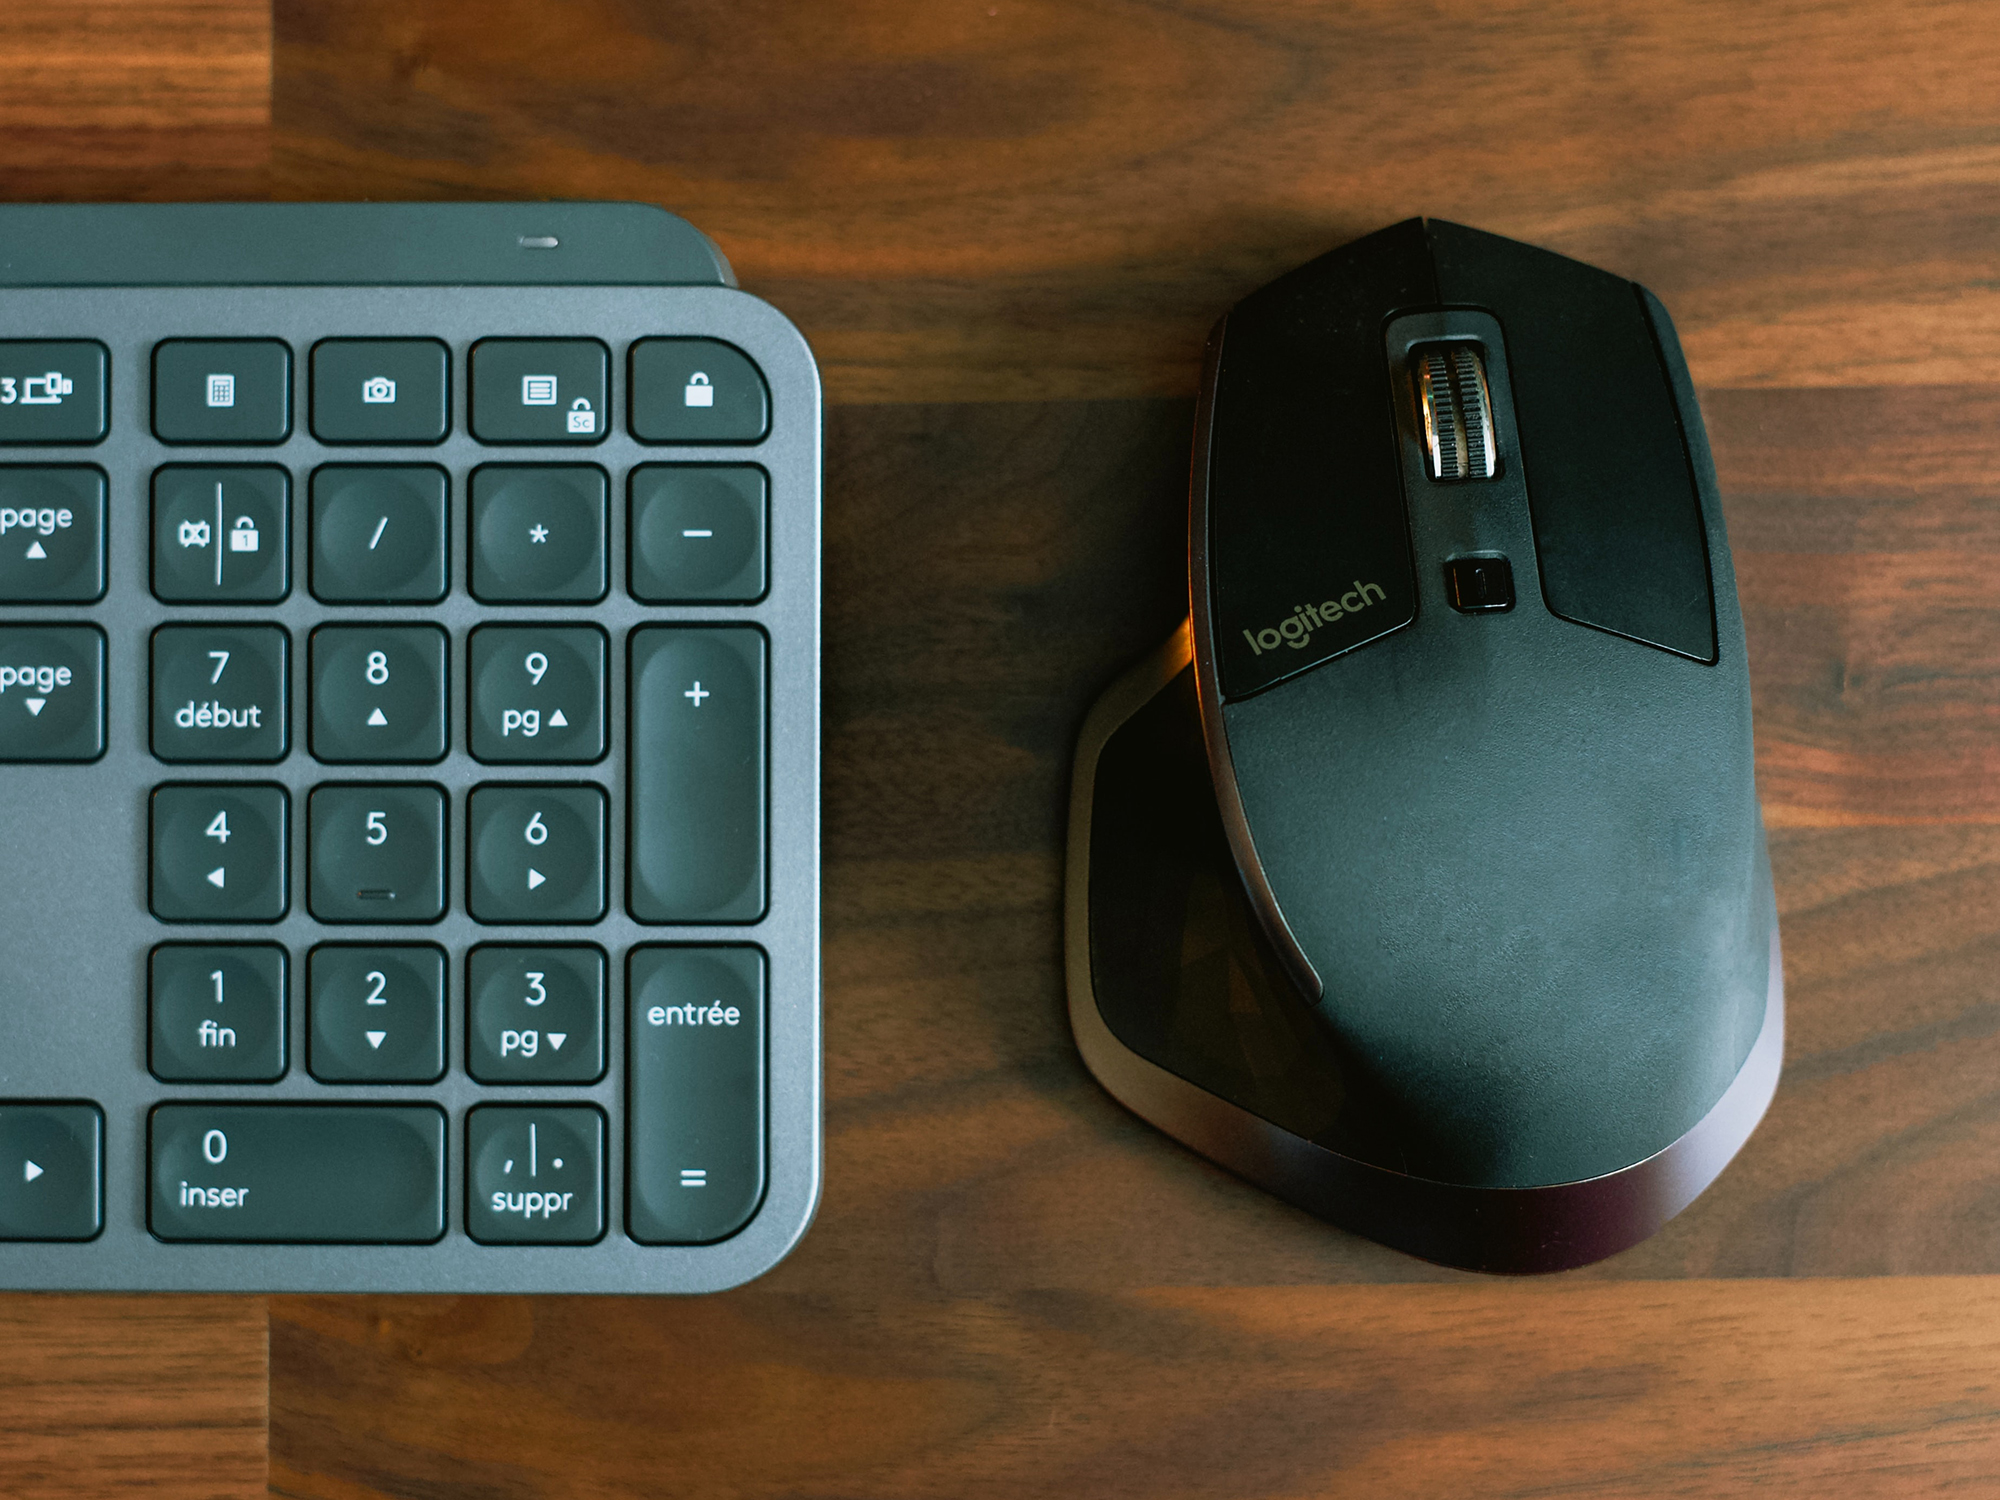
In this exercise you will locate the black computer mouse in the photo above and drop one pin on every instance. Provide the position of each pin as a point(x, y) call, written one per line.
point(1421, 877)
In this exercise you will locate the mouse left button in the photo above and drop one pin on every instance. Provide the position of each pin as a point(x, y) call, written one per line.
point(1302, 516)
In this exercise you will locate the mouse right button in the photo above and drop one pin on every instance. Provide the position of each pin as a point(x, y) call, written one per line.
point(1617, 518)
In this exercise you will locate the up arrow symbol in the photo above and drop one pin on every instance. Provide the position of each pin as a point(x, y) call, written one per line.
point(29, 1171)
point(35, 552)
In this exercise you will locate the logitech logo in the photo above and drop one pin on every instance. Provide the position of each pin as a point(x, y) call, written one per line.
point(1296, 629)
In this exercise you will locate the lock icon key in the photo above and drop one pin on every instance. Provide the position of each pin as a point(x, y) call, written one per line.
point(581, 417)
point(699, 391)
point(243, 535)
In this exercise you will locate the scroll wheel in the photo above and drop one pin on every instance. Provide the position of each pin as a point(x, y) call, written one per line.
point(1457, 411)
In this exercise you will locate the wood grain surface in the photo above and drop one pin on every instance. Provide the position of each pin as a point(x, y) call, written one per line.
point(103, 1396)
point(153, 99)
point(1033, 199)
point(1006, 226)
point(1835, 1388)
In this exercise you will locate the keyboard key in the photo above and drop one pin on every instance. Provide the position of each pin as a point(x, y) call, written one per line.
point(326, 1174)
point(538, 533)
point(219, 853)
point(218, 1012)
point(378, 693)
point(698, 793)
point(537, 853)
point(378, 534)
point(697, 391)
point(540, 390)
point(534, 1176)
point(376, 853)
point(535, 1015)
point(51, 534)
point(219, 692)
point(222, 391)
point(53, 391)
point(538, 693)
point(381, 391)
point(695, 1144)
point(376, 1015)
point(51, 1170)
point(698, 533)
point(221, 534)
point(51, 692)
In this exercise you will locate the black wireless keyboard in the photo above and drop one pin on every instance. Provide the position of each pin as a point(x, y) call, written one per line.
point(409, 752)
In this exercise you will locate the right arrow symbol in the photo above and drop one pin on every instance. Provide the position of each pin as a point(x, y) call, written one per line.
point(535, 878)
point(29, 1171)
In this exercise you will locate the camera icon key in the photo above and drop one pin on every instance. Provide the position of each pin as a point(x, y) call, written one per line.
point(378, 390)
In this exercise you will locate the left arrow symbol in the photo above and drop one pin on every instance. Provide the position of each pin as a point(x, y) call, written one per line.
point(217, 876)
point(29, 1172)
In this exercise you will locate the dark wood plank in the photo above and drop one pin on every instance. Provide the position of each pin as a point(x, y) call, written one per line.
point(1027, 199)
point(115, 1396)
point(1858, 1389)
point(146, 99)
point(1867, 536)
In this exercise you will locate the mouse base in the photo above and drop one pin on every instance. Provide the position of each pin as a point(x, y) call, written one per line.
point(1183, 1012)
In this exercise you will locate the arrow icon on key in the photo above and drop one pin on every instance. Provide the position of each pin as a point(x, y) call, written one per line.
point(217, 875)
point(29, 1171)
point(36, 705)
point(535, 878)
point(375, 1038)
point(35, 552)
point(556, 1039)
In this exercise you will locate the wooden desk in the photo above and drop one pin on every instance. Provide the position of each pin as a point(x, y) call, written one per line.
point(1006, 227)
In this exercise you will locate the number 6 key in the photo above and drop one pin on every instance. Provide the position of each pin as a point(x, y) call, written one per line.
point(536, 853)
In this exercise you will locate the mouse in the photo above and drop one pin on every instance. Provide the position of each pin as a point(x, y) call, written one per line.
point(1421, 878)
